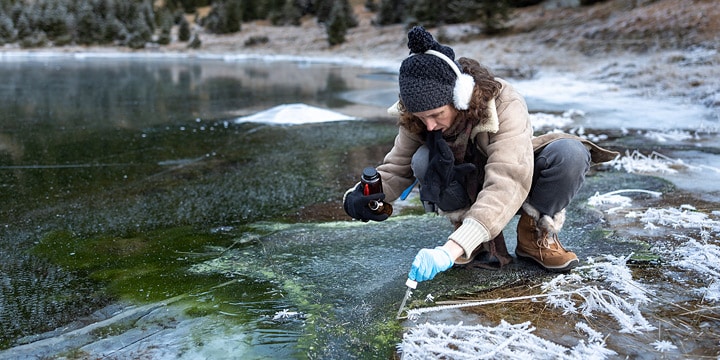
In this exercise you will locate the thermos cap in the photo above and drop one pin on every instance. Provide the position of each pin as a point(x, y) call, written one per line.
point(370, 173)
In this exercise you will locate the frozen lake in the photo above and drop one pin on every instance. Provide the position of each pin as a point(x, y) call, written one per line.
point(194, 202)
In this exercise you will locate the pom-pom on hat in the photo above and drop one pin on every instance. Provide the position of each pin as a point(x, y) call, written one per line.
point(430, 78)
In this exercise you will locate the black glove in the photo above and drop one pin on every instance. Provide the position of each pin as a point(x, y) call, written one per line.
point(444, 182)
point(356, 205)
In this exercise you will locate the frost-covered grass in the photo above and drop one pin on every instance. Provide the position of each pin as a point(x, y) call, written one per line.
point(702, 259)
point(505, 341)
point(602, 287)
point(655, 163)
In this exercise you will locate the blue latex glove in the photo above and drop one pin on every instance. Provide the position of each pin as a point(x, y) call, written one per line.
point(429, 262)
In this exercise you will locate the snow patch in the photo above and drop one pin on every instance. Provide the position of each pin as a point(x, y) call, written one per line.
point(294, 114)
point(541, 120)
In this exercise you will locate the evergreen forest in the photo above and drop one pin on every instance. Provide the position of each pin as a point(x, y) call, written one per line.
point(141, 23)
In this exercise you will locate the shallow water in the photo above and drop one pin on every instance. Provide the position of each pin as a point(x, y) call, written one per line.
point(138, 201)
point(119, 174)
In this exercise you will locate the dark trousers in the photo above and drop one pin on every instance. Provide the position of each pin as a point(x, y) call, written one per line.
point(559, 172)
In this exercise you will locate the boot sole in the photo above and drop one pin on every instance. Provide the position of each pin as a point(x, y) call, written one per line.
point(561, 268)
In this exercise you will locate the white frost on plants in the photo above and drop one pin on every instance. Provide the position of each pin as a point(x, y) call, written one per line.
point(613, 198)
point(704, 259)
point(623, 307)
point(595, 345)
point(683, 217)
point(636, 162)
point(711, 292)
point(285, 314)
point(568, 292)
point(663, 345)
point(505, 341)
point(701, 257)
point(655, 163)
point(615, 272)
point(673, 135)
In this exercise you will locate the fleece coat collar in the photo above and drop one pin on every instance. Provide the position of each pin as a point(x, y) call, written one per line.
point(491, 125)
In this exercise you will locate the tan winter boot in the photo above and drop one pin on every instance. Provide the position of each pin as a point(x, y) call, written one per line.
point(538, 240)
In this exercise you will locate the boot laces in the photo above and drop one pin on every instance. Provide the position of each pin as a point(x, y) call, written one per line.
point(545, 239)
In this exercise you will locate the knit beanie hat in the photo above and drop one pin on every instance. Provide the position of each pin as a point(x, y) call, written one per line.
point(429, 78)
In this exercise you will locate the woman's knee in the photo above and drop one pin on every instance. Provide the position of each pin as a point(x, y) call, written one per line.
point(569, 153)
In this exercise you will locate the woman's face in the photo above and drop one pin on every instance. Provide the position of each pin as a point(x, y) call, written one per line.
point(438, 119)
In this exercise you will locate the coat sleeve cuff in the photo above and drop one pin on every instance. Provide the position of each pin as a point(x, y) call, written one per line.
point(469, 236)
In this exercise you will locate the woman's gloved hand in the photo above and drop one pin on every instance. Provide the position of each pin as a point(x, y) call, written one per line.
point(444, 182)
point(430, 262)
point(356, 204)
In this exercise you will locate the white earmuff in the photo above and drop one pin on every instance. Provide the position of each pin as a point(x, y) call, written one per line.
point(463, 85)
point(394, 109)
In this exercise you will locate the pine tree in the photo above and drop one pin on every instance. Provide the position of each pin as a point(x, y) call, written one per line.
point(491, 13)
point(390, 12)
point(165, 22)
point(124, 11)
point(429, 12)
point(15, 11)
point(102, 8)
point(148, 14)
point(234, 16)
point(23, 26)
point(337, 23)
point(254, 9)
point(214, 22)
point(289, 14)
point(323, 10)
point(87, 26)
point(55, 20)
point(114, 30)
point(140, 32)
point(184, 30)
point(225, 17)
point(7, 29)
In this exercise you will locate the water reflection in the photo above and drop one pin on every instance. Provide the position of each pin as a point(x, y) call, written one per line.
point(107, 152)
point(70, 94)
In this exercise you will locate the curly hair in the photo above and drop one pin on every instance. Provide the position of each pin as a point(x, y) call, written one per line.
point(486, 88)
